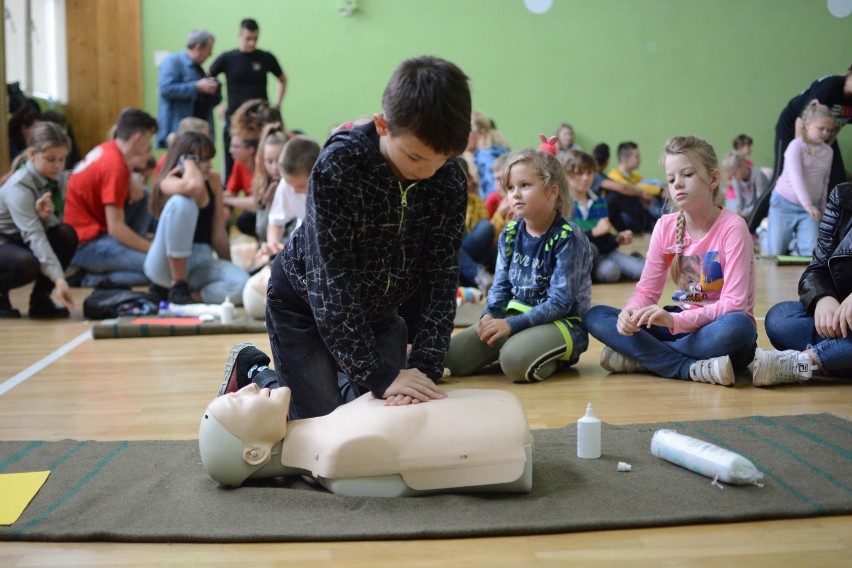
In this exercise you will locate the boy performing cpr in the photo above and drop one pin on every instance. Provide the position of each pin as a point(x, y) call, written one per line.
point(384, 220)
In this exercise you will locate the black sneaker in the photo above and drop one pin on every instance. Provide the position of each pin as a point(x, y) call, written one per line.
point(6, 309)
point(243, 361)
point(158, 294)
point(179, 293)
point(43, 308)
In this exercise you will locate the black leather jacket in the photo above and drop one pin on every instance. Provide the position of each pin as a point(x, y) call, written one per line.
point(830, 272)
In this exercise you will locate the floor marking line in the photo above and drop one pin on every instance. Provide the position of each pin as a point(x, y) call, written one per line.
point(11, 383)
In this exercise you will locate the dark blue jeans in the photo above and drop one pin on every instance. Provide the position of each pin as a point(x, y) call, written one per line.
point(670, 355)
point(789, 326)
point(303, 362)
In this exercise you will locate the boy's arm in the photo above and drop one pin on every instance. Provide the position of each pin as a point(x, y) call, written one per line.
point(120, 231)
point(333, 211)
point(439, 288)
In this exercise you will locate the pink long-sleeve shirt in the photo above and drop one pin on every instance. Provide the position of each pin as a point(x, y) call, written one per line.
point(804, 179)
point(717, 276)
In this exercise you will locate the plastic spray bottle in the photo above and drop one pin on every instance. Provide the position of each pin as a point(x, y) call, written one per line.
point(589, 435)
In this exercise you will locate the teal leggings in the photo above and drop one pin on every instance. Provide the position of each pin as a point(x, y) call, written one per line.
point(530, 356)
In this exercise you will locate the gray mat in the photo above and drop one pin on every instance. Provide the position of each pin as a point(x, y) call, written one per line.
point(157, 491)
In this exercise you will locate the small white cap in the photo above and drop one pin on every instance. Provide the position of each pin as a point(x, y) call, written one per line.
point(623, 466)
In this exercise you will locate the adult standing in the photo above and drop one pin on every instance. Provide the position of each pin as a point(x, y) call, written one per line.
point(185, 87)
point(245, 70)
point(834, 91)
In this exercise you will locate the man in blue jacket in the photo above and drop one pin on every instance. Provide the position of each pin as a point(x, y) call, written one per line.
point(185, 87)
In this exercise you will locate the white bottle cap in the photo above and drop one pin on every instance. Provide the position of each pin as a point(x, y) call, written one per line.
point(623, 466)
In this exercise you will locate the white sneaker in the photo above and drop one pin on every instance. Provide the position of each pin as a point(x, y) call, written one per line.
point(717, 370)
point(778, 367)
point(615, 362)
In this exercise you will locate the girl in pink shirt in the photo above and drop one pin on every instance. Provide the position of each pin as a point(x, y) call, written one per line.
point(710, 332)
point(799, 198)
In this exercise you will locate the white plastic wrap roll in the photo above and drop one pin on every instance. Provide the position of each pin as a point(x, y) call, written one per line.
point(704, 458)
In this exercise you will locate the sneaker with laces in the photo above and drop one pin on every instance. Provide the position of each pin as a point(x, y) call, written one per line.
point(778, 367)
point(244, 360)
point(615, 362)
point(717, 371)
point(179, 293)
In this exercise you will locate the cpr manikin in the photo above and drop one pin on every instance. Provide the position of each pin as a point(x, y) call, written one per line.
point(471, 441)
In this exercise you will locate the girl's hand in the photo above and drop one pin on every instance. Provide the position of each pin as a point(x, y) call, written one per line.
point(624, 324)
point(62, 294)
point(44, 207)
point(825, 317)
point(624, 237)
point(491, 329)
point(844, 316)
point(653, 315)
point(814, 213)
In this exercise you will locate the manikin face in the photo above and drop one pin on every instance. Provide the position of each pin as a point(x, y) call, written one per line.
point(50, 162)
point(408, 157)
point(258, 417)
point(248, 40)
point(299, 182)
point(690, 186)
point(528, 195)
point(819, 129)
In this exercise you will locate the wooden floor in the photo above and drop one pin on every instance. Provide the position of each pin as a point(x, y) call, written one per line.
point(135, 389)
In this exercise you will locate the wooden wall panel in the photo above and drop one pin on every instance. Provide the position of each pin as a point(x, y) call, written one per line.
point(104, 65)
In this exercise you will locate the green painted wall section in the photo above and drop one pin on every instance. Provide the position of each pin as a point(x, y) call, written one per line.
point(641, 70)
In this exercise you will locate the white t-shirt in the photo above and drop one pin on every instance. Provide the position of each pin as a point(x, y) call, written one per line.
point(286, 205)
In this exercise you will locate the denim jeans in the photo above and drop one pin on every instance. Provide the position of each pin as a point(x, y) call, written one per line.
point(670, 355)
point(786, 217)
point(476, 249)
point(789, 326)
point(215, 278)
point(104, 257)
point(303, 362)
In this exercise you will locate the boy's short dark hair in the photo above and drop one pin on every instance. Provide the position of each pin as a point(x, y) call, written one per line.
point(601, 154)
point(298, 156)
point(133, 120)
point(429, 97)
point(625, 149)
point(743, 140)
point(249, 24)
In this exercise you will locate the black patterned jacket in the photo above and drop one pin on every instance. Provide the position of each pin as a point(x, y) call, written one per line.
point(830, 271)
point(368, 243)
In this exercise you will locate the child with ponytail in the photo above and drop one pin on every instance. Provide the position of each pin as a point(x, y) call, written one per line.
point(802, 188)
point(711, 331)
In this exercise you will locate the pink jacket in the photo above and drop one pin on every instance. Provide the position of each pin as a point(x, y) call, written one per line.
point(717, 272)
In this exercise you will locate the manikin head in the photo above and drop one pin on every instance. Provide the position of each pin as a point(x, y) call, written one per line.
point(238, 431)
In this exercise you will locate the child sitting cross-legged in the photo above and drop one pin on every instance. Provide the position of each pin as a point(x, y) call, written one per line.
point(590, 214)
point(542, 285)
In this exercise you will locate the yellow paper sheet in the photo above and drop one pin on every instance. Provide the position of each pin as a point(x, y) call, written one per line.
point(16, 492)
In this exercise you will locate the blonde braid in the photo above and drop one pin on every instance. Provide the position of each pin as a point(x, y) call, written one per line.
point(679, 230)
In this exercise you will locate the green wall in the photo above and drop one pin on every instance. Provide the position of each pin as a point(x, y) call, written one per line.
point(642, 70)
